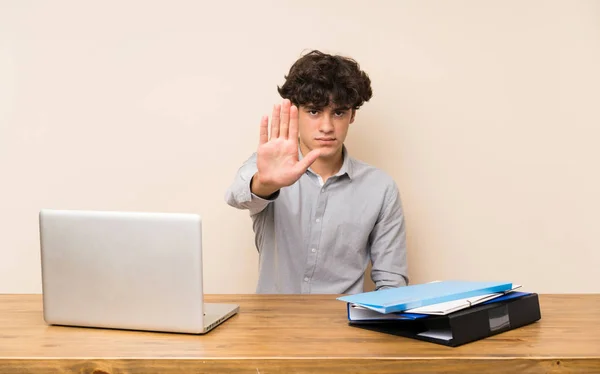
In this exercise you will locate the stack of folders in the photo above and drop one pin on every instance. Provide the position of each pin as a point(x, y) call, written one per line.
point(450, 313)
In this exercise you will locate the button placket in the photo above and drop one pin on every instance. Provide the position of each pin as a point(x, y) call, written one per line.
point(315, 236)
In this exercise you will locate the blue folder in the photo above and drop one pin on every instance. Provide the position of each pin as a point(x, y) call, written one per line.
point(373, 316)
point(393, 300)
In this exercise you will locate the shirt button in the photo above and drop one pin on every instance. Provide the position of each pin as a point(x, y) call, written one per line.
point(306, 279)
point(313, 250)
point(318, 220)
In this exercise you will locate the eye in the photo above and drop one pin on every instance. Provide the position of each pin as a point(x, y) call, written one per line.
point(340, 113)
point(313, 112)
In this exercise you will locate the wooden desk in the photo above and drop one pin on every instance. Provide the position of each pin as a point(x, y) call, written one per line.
point(297, 334)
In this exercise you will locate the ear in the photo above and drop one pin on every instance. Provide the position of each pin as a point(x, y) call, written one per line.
point(353, 116)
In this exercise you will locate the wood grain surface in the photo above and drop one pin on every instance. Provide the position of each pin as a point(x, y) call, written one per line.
point(296, 334)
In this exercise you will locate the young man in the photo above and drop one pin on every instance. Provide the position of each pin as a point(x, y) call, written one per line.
point(319, 215)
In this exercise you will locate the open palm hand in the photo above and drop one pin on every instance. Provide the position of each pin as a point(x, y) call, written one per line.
point(277, 157)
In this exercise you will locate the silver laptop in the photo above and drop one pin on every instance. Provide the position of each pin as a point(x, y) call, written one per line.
point(126, 270)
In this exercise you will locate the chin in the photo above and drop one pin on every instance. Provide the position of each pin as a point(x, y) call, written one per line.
point(326, 152)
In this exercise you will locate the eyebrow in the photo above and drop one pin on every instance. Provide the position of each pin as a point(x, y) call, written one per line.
point(337, 109)
point(313, 107)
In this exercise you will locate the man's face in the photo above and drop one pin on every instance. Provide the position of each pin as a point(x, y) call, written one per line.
point(324, 129)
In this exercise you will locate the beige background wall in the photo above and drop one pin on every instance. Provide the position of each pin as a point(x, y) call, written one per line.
point(486, 113)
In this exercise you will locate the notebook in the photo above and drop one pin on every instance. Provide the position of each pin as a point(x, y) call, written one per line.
point(448, 307)
point(400, 299)
point(357, 313)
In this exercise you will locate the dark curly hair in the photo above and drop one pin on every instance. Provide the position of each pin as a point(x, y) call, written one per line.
point(318, 78)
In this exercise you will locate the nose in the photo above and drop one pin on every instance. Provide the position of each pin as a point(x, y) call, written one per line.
point(326, 125)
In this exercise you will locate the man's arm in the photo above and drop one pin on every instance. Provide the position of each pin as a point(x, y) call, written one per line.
point(242, 195)
point(275, 164)
point(388, 244)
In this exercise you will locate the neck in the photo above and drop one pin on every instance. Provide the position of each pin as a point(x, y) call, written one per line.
point(326, 167)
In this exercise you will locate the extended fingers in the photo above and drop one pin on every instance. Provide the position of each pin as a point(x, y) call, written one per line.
point(285, 119)
point(293, 130)
point(264, 130)
point(275, 118)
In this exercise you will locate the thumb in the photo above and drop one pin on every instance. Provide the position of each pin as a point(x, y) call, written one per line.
point(308, 160)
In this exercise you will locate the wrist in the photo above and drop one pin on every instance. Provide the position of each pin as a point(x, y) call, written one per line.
point(262, 188)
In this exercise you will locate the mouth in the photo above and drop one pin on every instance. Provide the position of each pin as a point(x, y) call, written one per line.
point(326, 140)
